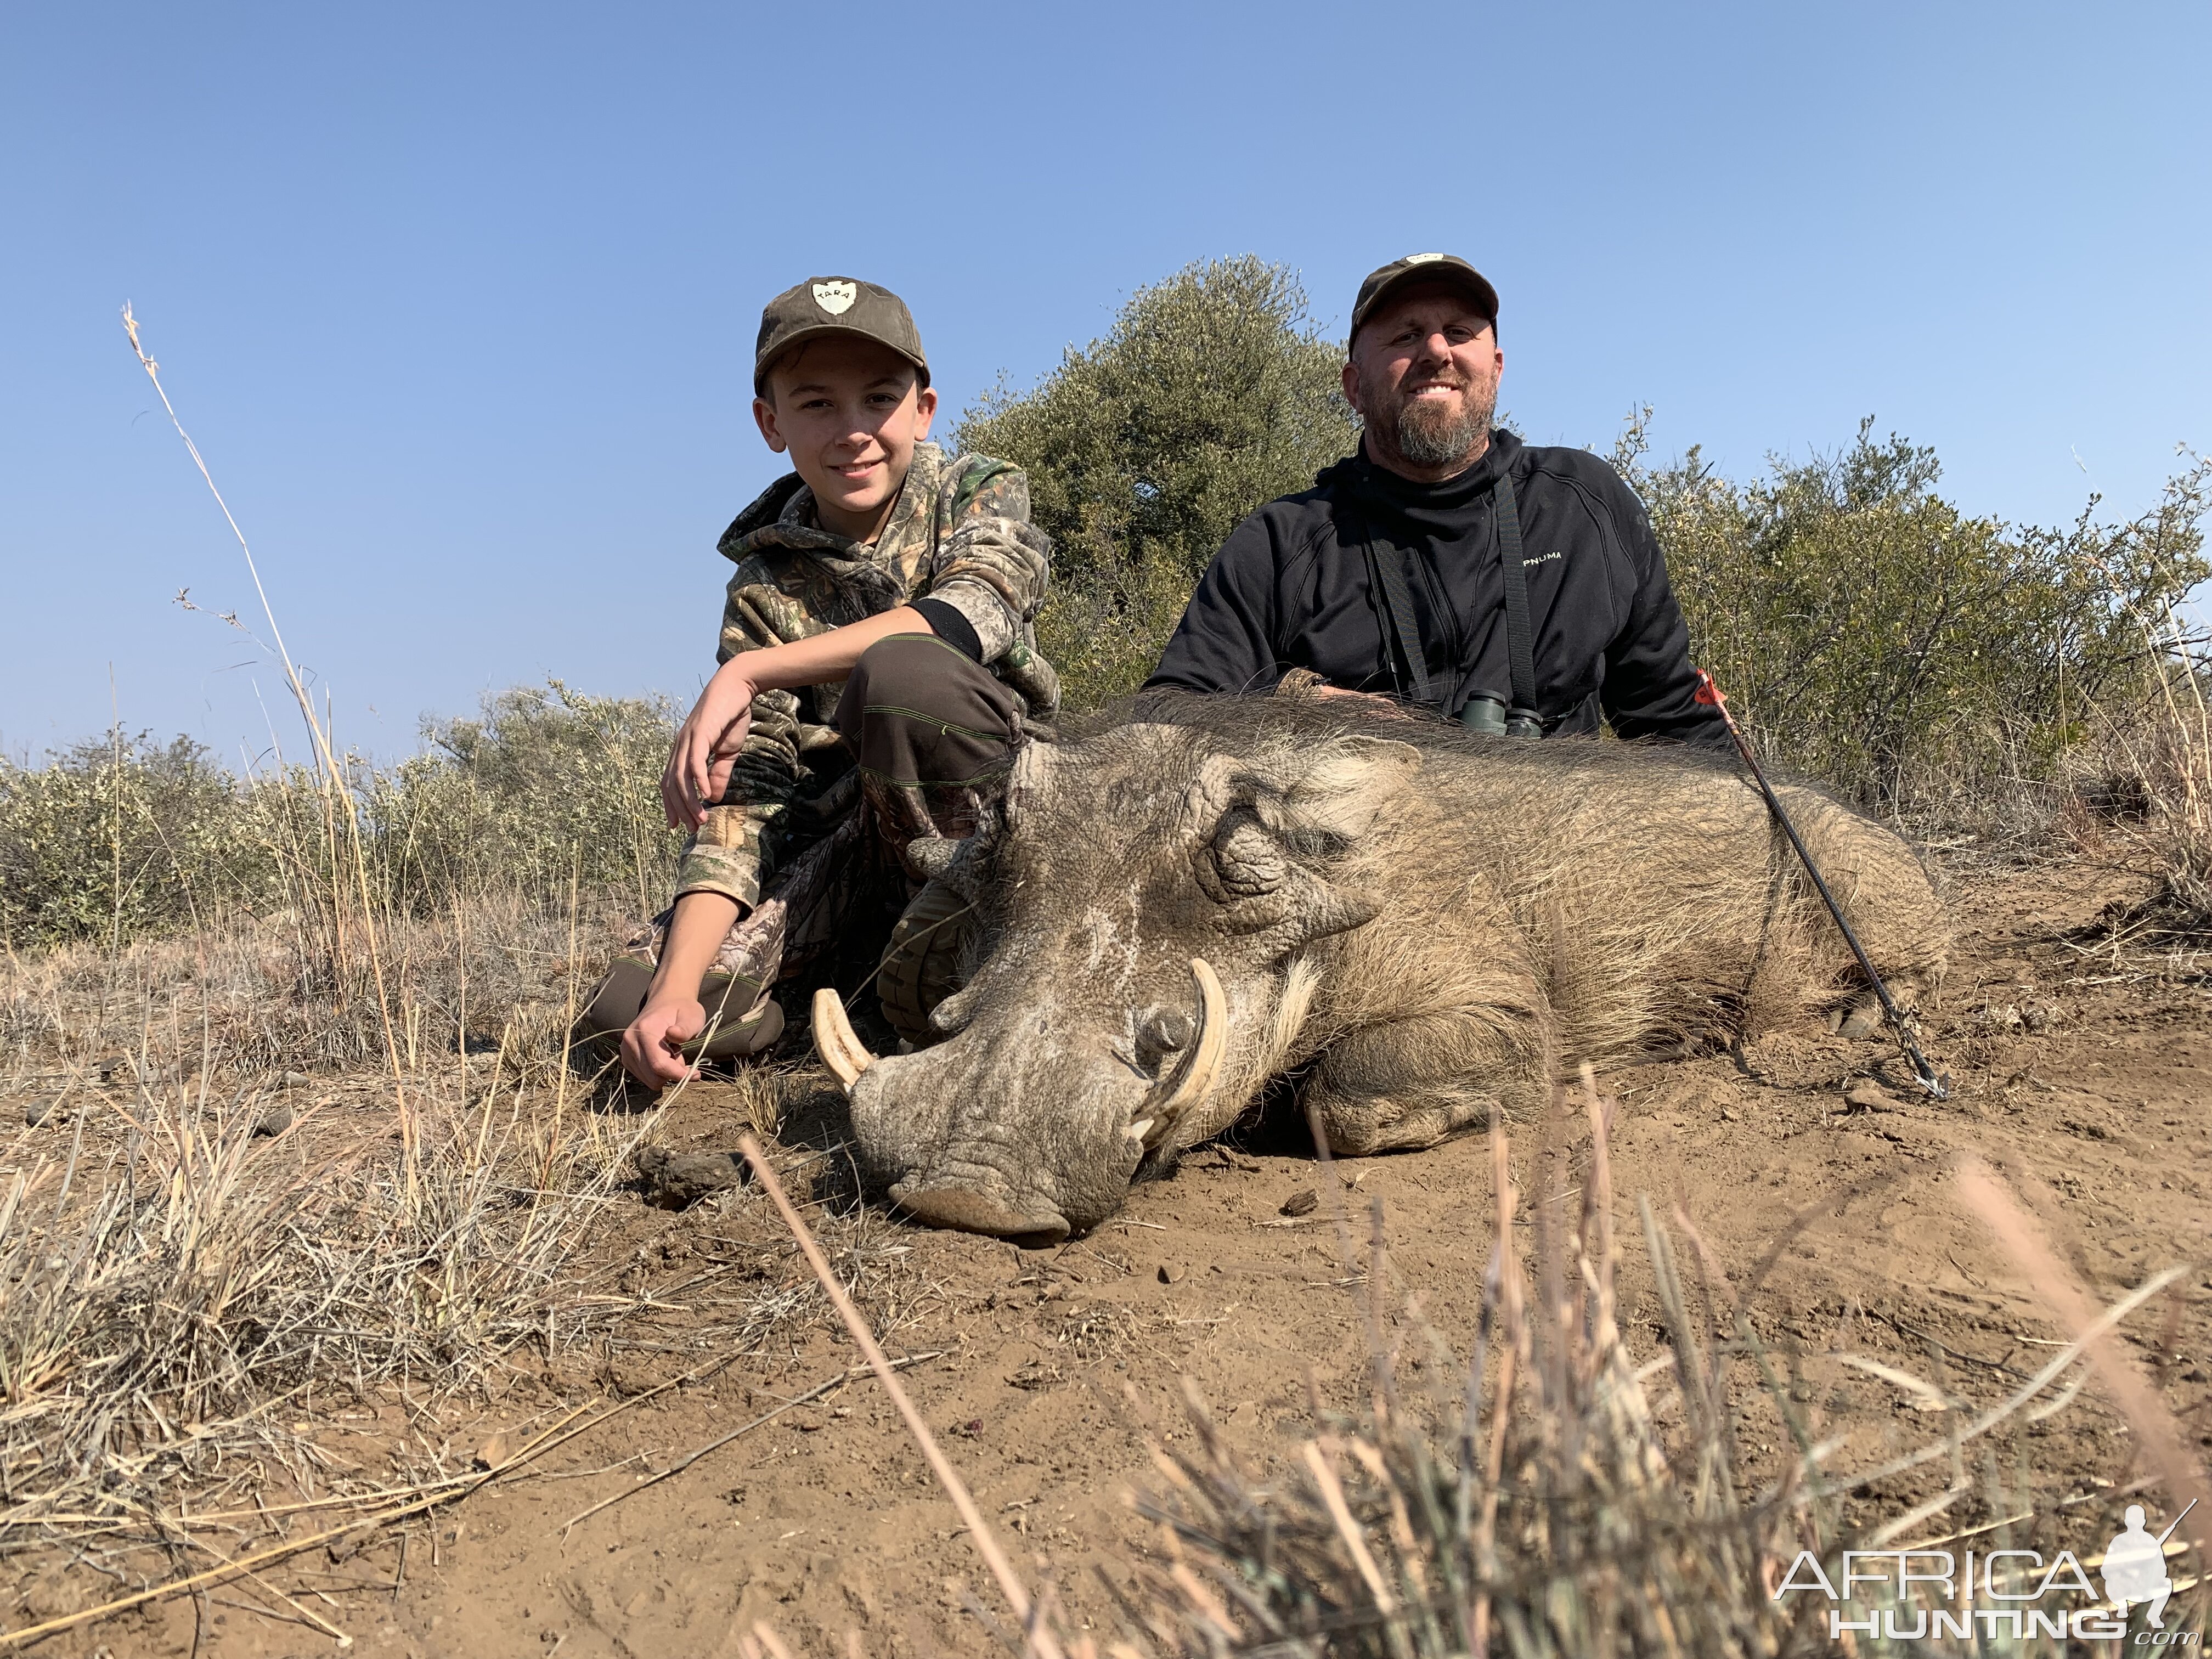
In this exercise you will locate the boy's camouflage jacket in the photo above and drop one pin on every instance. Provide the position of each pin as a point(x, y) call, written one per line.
point(959, 533)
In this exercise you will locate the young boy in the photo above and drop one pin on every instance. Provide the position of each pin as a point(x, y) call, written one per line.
point(877, 645)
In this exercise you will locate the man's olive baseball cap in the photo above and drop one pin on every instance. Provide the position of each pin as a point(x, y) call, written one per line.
point(1444, 268)
point(836, 305)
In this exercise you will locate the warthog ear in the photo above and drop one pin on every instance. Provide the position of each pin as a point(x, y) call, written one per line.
point(1319, 799)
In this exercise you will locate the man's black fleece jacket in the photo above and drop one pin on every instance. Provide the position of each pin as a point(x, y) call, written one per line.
point(1289, 589)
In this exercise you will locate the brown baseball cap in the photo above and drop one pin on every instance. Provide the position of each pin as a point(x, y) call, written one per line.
point(836, 305)
point(1445, 267)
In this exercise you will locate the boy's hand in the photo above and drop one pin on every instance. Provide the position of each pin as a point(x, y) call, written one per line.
point(1372, 699)
point(706, 748)
point(652, 1049)
point(706, 744)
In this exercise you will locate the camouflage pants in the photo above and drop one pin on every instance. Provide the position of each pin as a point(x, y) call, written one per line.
point(933, 736)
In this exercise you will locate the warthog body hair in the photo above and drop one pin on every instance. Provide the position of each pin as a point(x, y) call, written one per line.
point(1424, 926)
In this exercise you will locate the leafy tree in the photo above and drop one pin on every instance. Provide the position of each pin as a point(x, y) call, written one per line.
point(1214, 391)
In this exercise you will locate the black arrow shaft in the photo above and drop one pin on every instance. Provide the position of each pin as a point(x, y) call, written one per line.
point(1921, 1069)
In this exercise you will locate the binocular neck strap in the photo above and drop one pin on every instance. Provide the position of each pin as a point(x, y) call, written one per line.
point(1520, 652)
point(1386, 570)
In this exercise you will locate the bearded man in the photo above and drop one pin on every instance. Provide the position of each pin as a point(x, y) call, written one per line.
point(1448, 565)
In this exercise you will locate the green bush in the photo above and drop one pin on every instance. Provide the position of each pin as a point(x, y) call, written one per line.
point(119, 836)
point(545, 789)
point(545, 785)
point(1874, 636)
point(1104, 635)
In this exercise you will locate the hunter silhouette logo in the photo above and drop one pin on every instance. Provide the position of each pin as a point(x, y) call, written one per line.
point(836, 298)
point(2135, 1565)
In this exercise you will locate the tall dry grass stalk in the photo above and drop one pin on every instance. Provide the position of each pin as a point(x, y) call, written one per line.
point(343, 853)
point(209, 1251)
point(324, 1147)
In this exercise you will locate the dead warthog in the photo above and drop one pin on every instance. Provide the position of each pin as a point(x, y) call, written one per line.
point(1427, 927)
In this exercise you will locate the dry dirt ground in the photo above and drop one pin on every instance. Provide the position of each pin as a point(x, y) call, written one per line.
point(2080, 1077)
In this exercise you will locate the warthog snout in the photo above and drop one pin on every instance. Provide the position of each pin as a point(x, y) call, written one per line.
point(968, 1210)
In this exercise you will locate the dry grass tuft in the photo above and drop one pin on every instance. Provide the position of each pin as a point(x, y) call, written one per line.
point(203, 1252)
point(1537, 1513)
point(2172, 766)
point(249, 997)
point(1551, 1510)
point(184, 1284)
point(2146, 779)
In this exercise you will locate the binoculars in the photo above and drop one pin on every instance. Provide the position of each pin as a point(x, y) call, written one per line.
point(1491, 717)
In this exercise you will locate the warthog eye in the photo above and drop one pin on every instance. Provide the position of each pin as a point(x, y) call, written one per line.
point(1244, 860)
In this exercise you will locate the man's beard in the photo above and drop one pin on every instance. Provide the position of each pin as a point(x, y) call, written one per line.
point(1432, 432)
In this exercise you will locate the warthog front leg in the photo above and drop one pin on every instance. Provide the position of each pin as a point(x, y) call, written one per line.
point(1411, 1082)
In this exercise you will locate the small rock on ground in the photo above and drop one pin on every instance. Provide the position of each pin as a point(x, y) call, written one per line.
point(676, 1181)
point(1869, 1095)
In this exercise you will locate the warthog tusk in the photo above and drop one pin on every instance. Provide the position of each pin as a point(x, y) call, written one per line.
point(1136, 1131)
point(843, 1053)
point(1195, 1080)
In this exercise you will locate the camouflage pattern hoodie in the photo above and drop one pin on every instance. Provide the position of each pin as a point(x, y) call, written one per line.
point(958, 533)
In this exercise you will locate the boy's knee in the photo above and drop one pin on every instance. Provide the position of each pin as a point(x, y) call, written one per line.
point(916, 712)
point(920, 675)
point(907, 669)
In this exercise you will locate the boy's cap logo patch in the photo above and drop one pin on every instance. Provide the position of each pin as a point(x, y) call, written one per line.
point(836, 298)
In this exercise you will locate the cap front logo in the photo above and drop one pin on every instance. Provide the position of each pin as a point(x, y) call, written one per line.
point(1410, 259)
point(836, 298)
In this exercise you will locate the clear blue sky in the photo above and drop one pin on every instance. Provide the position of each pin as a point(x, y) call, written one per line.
point(458, 300)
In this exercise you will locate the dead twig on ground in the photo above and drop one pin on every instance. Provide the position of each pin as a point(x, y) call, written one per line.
point(244, 1565)
point(827, 1386)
